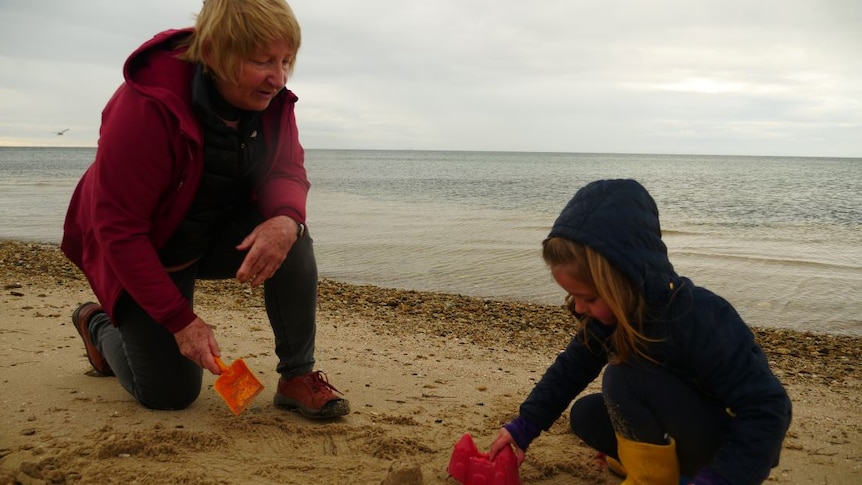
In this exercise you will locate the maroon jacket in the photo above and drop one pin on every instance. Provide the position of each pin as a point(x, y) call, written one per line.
point(147, 169)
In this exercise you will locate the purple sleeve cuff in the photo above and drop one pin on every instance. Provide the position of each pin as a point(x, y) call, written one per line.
point(522, 432)
point(707, 477)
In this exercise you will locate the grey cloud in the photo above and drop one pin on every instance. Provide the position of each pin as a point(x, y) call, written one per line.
point(768, 77)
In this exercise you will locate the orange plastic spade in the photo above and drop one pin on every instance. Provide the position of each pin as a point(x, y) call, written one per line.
point(237, 385)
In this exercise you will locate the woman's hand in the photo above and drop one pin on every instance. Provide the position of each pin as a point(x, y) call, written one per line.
point(197, 343)
point(267, 246)
point(503, 440)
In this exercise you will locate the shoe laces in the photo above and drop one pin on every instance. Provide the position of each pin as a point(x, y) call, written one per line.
point(318, 381)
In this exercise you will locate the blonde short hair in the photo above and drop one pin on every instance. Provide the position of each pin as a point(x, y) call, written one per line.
point(228, 31)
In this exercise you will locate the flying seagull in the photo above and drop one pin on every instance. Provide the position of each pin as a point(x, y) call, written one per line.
point(61, 132)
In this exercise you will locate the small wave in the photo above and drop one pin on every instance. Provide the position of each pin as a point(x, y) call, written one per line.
point(768, 260)
point(677, 232)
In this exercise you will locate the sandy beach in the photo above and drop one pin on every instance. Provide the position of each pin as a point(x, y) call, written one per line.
point(420, 370)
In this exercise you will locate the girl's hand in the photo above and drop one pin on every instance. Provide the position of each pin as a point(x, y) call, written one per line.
point(267, 246)
point(197, 343)
point(503, 440)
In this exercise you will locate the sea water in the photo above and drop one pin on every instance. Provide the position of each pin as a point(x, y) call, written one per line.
point(779, 237)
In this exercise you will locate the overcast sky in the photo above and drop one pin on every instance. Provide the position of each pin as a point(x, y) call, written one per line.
point(742, 77)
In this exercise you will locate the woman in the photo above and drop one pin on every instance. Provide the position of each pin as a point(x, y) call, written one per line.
point(199, 174)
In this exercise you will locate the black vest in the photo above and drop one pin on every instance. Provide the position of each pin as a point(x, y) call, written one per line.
point(231, 157)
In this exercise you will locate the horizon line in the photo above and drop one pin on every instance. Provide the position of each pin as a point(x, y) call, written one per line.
point(680, 154)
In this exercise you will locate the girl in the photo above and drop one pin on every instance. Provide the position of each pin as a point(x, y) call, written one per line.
point(686, 391)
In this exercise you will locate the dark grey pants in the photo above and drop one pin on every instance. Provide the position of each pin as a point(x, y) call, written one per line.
point(145, 356)
point(643, 403)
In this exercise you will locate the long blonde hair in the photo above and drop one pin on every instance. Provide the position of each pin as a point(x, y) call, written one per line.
point(228, 31)
point(625, 302)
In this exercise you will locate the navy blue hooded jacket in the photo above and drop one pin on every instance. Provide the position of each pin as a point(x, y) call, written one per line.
point(699, 336)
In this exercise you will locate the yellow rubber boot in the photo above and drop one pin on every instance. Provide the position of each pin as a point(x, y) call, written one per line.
point(648, 464)
point(616, 467)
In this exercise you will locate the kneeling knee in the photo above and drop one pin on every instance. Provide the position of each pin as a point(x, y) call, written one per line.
point(168, 402)
point(576, 419)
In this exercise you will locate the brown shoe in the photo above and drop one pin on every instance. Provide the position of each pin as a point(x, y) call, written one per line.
point(81, 319)
point(311, 395)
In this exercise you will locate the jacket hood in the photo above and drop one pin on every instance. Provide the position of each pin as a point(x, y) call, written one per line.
point(145, 67)
point(619, 219)
point(155, 71)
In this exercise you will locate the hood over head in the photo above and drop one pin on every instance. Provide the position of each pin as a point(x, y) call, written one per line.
point(619, 219)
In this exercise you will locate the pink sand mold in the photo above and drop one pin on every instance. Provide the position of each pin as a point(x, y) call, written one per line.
point(471, 467)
